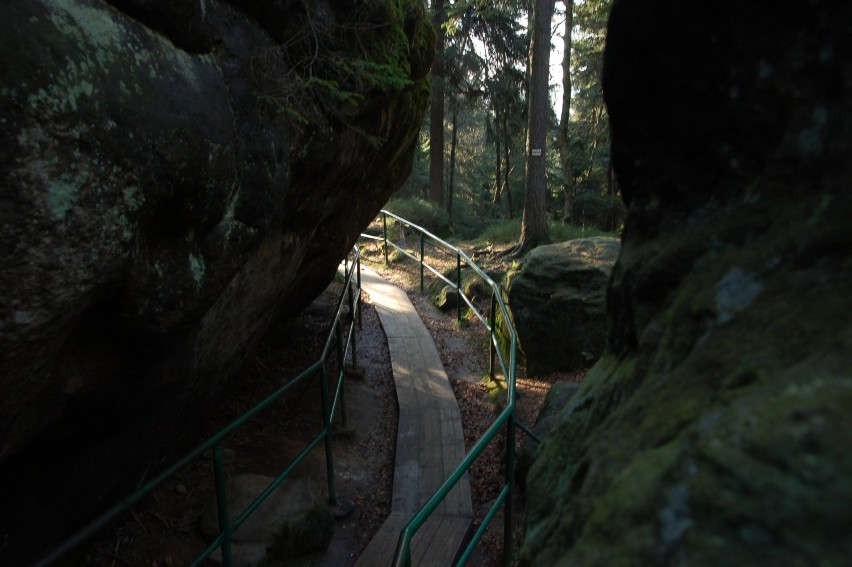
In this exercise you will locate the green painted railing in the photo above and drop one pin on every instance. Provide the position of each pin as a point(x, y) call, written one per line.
point(506, 418)
point(336, 345)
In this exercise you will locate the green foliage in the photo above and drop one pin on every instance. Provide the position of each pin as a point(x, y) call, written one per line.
point(467, 224)
point(589, 127)
point(395, 256)
point(473, 206)
point(421, 212)
point(607, 212)
point(417, 184)
point(564, 231)
point(498, 394)
point(504, 232)
point(334, 61)
point(485, 88)
point(473, 286)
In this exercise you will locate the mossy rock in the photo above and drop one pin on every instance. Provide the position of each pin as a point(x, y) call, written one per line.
point(165, 198)
point(557, 297)
point(294, 520)
point(473, 286)
point(716, 427)
point(554, 402)
point(447, 299)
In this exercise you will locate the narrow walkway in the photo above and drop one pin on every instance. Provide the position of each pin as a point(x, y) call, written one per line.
point(430, 442)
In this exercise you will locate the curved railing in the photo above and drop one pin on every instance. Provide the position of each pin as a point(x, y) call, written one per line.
point(508, 365)
point(335, 345)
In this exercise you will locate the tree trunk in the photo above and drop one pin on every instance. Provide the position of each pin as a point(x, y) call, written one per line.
point(498, 169)
point(507, 167)
point(452, 167)
point(436, 113)
point(564, 120)
point(534, 221)
point(610, 185)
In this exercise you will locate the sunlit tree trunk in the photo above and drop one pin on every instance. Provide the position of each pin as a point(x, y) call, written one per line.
point(498, 168)
point(450, 189)
point(436, 113)
point(507, 166)
point(564, 151)
point(534, 220)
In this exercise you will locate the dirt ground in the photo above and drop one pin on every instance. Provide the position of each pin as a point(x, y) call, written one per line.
point(164, 529)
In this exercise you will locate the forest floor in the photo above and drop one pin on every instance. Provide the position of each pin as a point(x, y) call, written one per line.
point(164, 530)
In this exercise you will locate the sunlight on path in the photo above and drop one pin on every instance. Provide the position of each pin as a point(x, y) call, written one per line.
point(430, 442)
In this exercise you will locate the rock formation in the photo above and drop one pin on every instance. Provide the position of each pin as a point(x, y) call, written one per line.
point(173, 175)
point(716, 428)
point(294, 521)
point(555, 401)
point(558, 301)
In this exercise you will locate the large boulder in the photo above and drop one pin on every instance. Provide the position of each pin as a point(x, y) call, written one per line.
point(557, 397)
point(294, 520)
point(173, 176)
point(716, 428)
point(558, 302)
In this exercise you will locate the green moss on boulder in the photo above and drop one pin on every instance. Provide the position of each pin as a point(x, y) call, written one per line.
point(715, 428)
point(557, 297)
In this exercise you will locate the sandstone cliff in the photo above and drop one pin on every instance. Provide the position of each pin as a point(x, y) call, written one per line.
point(172, 176)
point(716, 428)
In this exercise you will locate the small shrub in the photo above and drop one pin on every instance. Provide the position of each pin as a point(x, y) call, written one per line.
point(467, 224)
point(473, 286)
point(510, 231)
point(605, 212)
point(422, 213)
point(498, 394)
point(502, 232)
point(560, 231)
point(395, 256)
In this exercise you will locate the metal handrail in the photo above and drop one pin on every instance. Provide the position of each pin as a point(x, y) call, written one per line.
point(352, 280)
point(506, 418)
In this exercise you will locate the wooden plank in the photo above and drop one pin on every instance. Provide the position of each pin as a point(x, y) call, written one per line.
point(431, 449)
point(380, 550)
point(439, 539)
point(430, 441)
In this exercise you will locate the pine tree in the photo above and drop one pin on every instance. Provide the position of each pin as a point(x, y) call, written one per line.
point(534, 221)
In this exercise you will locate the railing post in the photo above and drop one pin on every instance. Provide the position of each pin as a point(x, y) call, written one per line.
point(360, 312)
point(341, 371)
point(222, 504)
point(492, 319)
point(421, 262)
point(352, 323)
point(510, 482)
point(510, 453)
point(458, 286)
point(385, 234)
point(402, 552)
point(329, 452)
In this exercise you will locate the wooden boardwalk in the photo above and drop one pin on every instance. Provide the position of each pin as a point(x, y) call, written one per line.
point(430, 442)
